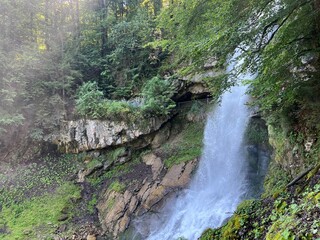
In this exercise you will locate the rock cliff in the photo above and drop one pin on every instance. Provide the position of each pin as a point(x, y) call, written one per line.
point(86, 135)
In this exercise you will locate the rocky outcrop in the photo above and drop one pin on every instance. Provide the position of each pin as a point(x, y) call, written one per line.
point(155, 163)
point(195, 86)
point(199, 77)
point(117, 209)
point(84, 135)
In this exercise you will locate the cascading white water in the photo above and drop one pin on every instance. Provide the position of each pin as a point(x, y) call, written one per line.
point(220, 181)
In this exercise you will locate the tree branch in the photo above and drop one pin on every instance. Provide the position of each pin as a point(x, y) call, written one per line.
point(262, 46)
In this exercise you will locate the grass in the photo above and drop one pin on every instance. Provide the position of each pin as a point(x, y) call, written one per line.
point(29, 219)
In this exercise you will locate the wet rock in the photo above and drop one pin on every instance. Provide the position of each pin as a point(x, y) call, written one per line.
point(107, 165)
point(27, 232)
point(91, 237)
point(179, 175)
point(83, 173)
point(308, 144)
point(124, 157)
point(210, 63)
point(63, 217)
point(62, 228)
point(157, 192)
point(161, 136)
point(116, 209)
point(87, 231)
point(199, 77)
point(155, 163)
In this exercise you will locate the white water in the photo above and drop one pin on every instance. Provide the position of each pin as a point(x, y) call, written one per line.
point(220, 181)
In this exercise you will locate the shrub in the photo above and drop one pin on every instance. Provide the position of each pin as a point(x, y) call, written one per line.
point(157, 101)
point(88, 100)
point(116, 110)
point(157, 93)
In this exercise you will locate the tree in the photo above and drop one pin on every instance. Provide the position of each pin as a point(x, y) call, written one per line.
point(157, 95)
point(279, 40)
point(89, 98)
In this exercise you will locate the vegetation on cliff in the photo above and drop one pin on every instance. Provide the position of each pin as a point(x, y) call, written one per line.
point(117, 60)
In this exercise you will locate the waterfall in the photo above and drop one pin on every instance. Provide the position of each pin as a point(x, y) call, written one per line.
point(220, 181)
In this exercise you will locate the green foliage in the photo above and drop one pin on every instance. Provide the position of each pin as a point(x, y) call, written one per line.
point(30, 179)
point(256, 132)
point(38, 215)
point(89, 98)
point(116, 171)
point(92, 204)
point(117, 187)
point(119, 110)
point(157, 95)
point(272, 43)
point(94, 163)
point(8, 120)
point(115, 153)
point(279, 217)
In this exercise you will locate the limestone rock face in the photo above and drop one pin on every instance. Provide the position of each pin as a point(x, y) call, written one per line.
point(84, 135)
point(161, 137)
point(117, 209)
point(179, 175)
point(198, 78)
point(155, 163)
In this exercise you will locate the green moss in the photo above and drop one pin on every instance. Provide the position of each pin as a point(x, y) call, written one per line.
point(117, 187)
point(256, 132)
point(117, 170)
point(32, 180)
point(188, 147)
point(276, 180)
point(208, 234)
point(248, 206)
point(93, 164)
point(92, 204)
point(25, 220)
point(115, 153)
point(230, 231)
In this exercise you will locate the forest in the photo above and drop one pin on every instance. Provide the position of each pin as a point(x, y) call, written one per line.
point(58, 56)
point(124, 61)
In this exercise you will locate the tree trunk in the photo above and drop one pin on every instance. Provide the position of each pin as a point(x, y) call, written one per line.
point(46, 30)
point(104, 31)
point(157, 5)
point(316, 6)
